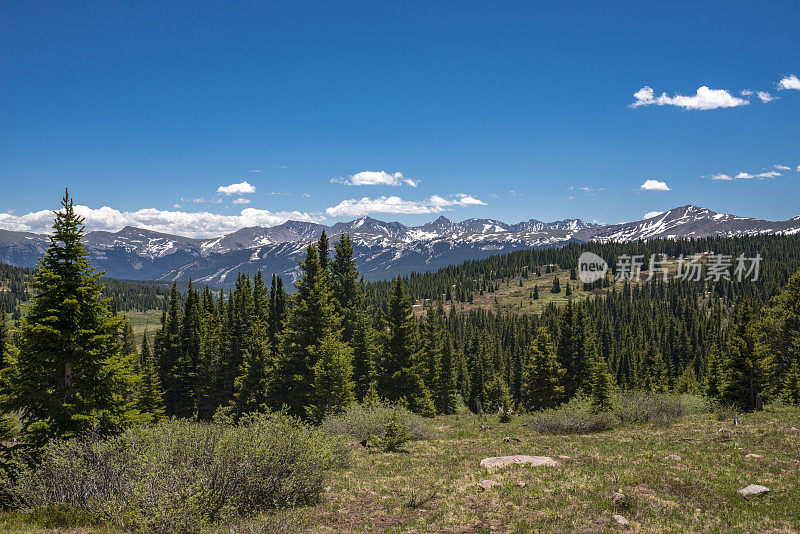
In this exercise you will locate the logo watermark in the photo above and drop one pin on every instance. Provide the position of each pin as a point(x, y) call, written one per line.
point(709, 267)
point(591, 267)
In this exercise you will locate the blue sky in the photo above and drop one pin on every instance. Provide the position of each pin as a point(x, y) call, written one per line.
point(503, 110)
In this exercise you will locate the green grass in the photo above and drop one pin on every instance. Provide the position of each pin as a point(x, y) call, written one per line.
point(141, 321)
point(511, 297)
point(433, 487)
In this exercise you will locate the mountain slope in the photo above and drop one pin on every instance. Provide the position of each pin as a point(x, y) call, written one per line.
point(381, 249)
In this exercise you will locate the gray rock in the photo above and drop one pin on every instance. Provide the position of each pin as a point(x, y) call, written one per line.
point(486, 485)
point(619, 498)
point(673, 457)
point(753, 455)
point(754, 489)
point(498, 462)
point(621, 521)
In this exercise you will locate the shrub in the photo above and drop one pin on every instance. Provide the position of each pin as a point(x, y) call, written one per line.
point(627, 407)
point(359, 422)
point(395, 434)
point(574, 417)
point(179, 476)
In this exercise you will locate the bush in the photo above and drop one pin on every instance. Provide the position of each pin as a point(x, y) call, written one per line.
point(179, 476)
point(574, 417)
point(637, 407)
point(359, 421)
point(395, 434)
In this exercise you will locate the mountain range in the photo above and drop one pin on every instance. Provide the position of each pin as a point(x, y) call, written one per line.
point(381, 249)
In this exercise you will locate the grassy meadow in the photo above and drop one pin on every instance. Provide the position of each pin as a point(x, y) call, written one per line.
point(432, 486)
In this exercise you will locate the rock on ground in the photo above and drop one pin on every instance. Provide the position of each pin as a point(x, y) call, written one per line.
point(621, 521)
point(498, 462)
point(673, 457)
point(754, 489)
point(486, 485)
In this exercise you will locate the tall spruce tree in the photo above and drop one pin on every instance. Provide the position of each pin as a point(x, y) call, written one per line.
point(400, 370)
point(602, 385)
point(150, 399)
point(744, 373)
point(333, 385)
point(311, 319)
point(348, 289)
point(543, 374)
point(169, 352)
point(365, 353)
point(69, 373)
point(446, 392)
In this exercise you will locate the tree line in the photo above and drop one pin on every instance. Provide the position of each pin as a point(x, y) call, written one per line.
point(72, 364)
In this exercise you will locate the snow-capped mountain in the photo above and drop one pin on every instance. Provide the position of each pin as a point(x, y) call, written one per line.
point(691, 221)
point(381, 249)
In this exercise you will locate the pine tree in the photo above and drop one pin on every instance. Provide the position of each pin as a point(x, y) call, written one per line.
point(713, 378)
point(364, 355)
point(184, 372)
point(431, 347)
point(687, 382)
point(779, 330)
point(69, 373)
point(536, 292)
point(169, 352)
point(602, 386)
point(348, 290)
point(310, 321)
point(400, 377)
point(791, 386)
point(333, 385)
point(323, 249)
point(277, 313)
point(556, 286)
point(4, 336)
point(446, 397)
point(543, 375)
point(498, 397)
point(744, 367)
point(252, 384)
point(150, 399)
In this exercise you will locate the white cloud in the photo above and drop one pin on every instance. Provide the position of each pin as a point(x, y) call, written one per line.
point(376, 178)
point(798, 168)
point(393, 204)
point(704, 99)
point(748, 175)
point(765, 96)
point(789, 82)
point(198, 224)
point(241, 200)
point(746, 92)
point(782, 167)
point(651, 214)
point(654, 185)
point(236, 189)
point(256, 171)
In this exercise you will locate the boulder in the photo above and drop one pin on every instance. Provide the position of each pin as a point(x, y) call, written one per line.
point(753, 455)
point(498, 462)
point(754, 489)
point(673, 457)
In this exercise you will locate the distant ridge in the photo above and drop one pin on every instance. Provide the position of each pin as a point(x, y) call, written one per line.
point(381, 249)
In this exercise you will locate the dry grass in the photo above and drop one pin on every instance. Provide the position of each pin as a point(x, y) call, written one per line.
point(433, 488)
